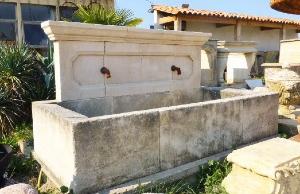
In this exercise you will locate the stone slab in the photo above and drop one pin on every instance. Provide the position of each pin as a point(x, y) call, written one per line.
point(268, 158)
point(254, 83)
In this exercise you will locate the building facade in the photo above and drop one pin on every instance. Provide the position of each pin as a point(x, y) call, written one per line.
point(20, 20)
point(266, 31)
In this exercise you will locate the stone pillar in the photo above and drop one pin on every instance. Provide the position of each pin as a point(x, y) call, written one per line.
point(178, 24)
point(237, 31)
point(157, 16)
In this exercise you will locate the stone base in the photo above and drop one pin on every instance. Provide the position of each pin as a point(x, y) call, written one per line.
point(285, 80)
point(269, 167)
point(243, 181)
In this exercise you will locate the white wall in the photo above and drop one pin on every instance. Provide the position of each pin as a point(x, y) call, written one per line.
point(266, 40)
point(224, 33)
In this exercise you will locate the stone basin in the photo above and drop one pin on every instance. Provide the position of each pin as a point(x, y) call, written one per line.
point(94, 144)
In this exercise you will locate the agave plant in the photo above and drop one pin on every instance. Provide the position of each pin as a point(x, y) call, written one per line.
point(97, 14)
point(18, 74)
point(17, 69)
point(25, 76)
point(46, 89)
point(10, 111)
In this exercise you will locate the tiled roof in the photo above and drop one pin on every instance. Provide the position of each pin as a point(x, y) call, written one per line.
point(225, 15)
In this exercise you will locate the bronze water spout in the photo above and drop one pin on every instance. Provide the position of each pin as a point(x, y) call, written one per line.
point(105, 72)
point(174, 68)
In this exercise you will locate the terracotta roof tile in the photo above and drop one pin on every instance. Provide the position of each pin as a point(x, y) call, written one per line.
point(221, 14)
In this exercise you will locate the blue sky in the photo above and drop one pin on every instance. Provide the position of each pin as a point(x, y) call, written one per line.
point(252, 7)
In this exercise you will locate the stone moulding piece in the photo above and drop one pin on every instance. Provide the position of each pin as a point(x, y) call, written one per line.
point(237, 46)
point(67, 31)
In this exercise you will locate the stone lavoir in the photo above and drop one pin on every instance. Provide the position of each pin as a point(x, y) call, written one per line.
point(130, 104)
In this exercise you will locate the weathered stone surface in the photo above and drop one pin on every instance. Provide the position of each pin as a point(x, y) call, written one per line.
point(197, 131)
point(18, 189)
point(120, 104)
point(285, 81)
point(267, 167)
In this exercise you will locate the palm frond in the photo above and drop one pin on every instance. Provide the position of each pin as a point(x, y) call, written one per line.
point(97, 14)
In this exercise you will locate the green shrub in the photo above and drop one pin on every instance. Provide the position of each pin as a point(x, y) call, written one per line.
point(23, 79)
point(170, 188)
point(10, 111)
point(17, 73)
point(211, 175)
point(20, 166)
point(209, 179)
point(97, 14)
point(21, 132)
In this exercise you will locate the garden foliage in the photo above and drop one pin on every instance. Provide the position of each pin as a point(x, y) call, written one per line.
point(97, 14)
point(208, 181)
point(24, 77)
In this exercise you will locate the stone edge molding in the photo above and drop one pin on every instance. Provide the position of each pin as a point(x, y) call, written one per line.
point(237, 46)
point(74, 31)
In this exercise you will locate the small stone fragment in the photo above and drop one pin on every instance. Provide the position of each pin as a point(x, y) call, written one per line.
point(20, 188)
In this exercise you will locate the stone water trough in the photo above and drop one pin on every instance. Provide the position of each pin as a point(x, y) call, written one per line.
point(130, 104)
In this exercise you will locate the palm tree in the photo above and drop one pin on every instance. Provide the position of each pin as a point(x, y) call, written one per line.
point(97, 14)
